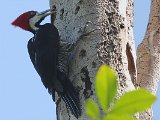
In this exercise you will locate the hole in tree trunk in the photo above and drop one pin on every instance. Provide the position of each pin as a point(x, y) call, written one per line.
point(131, 64)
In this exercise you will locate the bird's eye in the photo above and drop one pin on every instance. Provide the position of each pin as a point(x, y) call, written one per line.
point(32, 13)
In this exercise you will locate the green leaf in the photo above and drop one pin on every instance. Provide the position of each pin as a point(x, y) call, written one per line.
point(105, 86)
point(132, 102)
point(92, 109)
point(118, 117)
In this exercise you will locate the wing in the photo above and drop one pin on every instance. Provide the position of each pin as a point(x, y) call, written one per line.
point(46, 54)
point(31, 51)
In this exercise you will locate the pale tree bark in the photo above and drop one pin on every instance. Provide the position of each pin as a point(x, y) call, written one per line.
point(148, 56)
point(111, 42)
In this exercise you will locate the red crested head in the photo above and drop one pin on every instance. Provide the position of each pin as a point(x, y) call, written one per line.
point(31, 20)
point(23, 20)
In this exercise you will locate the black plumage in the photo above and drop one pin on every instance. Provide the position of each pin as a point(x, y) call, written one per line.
point(44, 50)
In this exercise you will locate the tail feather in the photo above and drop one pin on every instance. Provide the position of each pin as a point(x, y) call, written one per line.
point(71, 98)
point(76, 104)
point(69, 95)
point(72, 104)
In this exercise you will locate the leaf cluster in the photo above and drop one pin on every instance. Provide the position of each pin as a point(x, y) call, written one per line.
point(123, 108)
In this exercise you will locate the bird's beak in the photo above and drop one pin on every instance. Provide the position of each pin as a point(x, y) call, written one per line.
point(46, 13)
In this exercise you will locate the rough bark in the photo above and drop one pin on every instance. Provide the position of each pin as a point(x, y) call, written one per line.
point(111, 43)
point(148, 56)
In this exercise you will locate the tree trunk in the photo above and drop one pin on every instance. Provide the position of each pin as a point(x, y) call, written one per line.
point(110, 42)
point(148, 56)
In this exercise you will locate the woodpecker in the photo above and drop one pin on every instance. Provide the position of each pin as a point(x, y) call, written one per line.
point(46, 54)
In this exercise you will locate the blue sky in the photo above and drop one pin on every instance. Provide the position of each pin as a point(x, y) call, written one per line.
point(22, 95)
point(142, 8)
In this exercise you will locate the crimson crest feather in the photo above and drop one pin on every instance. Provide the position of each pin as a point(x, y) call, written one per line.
point(23, 20)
